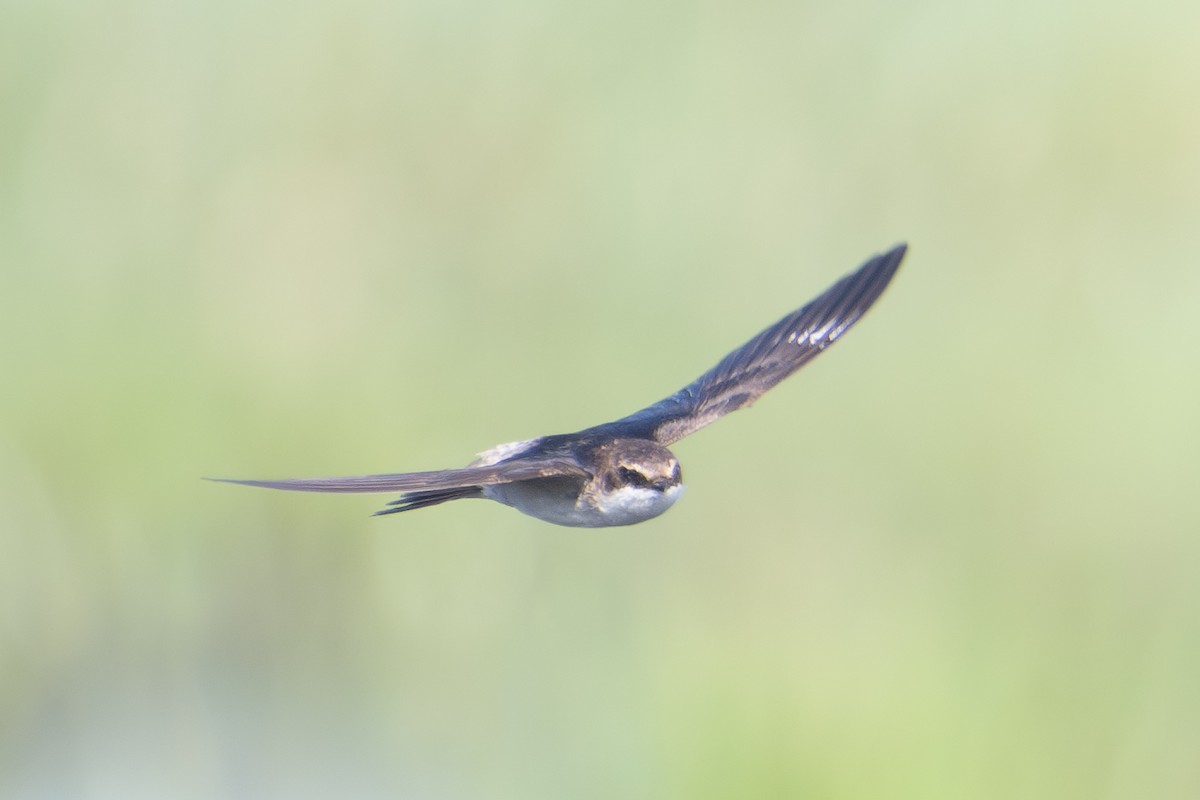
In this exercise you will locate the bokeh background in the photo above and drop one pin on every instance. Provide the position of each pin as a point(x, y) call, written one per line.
point(957, 557)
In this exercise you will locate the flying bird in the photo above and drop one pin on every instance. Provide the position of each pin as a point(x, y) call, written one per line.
point(621, 473)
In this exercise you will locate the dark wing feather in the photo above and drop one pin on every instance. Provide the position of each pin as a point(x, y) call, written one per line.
point(743, 375)
point(520, 469)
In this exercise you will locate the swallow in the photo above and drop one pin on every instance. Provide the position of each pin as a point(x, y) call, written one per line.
point(621, 472)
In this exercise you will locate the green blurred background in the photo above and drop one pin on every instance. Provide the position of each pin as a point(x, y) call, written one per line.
point(955, 558)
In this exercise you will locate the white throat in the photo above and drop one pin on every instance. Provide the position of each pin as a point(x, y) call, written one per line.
point(561, 504)
point(631, 504)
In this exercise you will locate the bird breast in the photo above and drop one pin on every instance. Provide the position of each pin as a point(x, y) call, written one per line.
point(570, 502)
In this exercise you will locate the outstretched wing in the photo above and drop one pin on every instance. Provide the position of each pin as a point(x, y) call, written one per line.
point(743, 375)
point(520, 469)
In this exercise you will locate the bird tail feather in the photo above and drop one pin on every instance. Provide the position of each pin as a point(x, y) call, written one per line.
point(410, 501)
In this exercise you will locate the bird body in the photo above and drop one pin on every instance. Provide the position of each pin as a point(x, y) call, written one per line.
point(621, 472)
point(632, 480)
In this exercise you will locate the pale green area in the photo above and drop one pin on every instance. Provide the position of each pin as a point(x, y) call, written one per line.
point(955, 558)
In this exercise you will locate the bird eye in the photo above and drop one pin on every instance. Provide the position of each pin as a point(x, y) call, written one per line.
point(632, 476)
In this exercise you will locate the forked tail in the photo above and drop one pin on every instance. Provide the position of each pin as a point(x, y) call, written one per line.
point(410, 501)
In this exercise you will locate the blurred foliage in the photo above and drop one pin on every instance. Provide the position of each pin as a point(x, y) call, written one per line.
point(956, 558)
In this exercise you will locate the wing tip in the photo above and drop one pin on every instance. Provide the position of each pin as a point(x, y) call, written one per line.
point(258, 484)
point(889, 260)
point(335, 485)
point(875, 276)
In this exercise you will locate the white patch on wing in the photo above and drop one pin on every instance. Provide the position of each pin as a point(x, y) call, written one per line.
point(503, 451)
